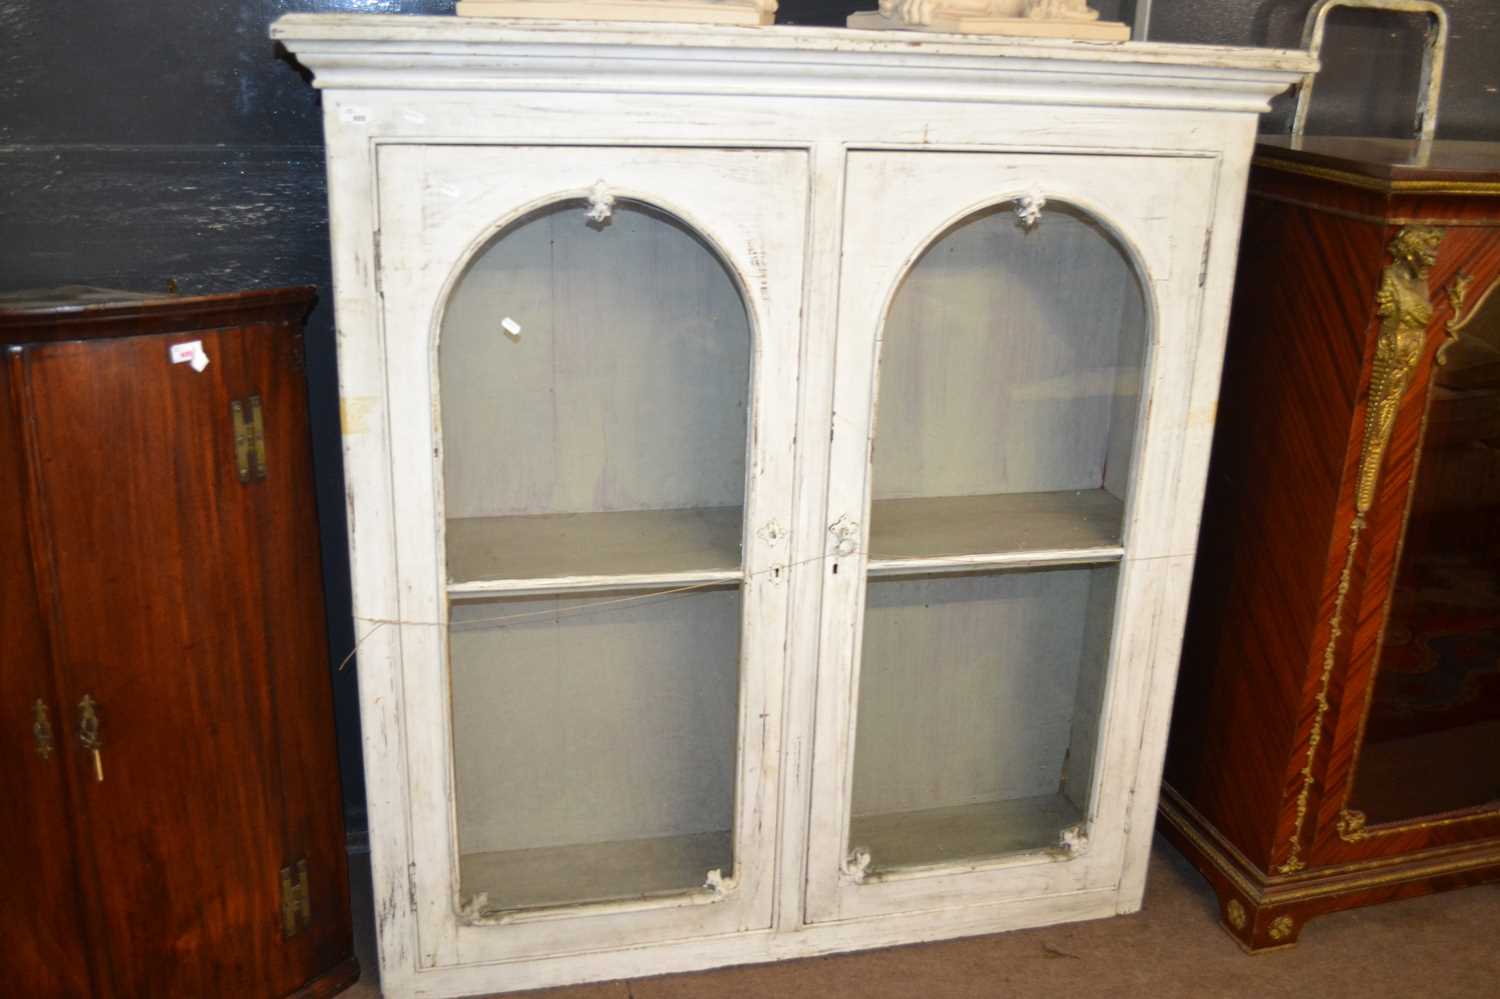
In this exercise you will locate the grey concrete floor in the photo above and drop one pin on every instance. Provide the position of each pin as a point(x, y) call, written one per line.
point(1443, 946)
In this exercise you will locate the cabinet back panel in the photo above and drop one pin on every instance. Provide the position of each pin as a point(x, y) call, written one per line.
point(1011, 361)
point(626, 388)
point(594, 726)
point(969, 687)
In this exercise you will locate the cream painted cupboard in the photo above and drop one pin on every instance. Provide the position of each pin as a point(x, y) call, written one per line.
point(774, 464)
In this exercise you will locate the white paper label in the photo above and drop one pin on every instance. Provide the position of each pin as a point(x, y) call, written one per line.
point(190, 353)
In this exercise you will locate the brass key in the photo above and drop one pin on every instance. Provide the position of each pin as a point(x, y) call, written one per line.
point(88, 733)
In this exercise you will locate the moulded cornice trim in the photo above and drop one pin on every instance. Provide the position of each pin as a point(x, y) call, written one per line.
point(363, 51)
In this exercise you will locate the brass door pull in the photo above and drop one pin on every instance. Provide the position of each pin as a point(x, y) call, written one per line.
point(88, 733)
point(41, 727)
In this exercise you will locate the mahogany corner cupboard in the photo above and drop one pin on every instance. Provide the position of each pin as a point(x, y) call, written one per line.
point(1336, 740)
point(680, 649)
point(171, 800)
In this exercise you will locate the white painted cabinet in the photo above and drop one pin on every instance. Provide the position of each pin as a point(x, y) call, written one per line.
point(774, 464)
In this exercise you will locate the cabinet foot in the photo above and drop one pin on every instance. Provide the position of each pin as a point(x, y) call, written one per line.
point(1258, 928)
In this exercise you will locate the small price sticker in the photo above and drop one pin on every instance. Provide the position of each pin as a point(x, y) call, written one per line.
point(190, 353)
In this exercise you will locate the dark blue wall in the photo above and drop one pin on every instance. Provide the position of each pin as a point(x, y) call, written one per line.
point(168, 140)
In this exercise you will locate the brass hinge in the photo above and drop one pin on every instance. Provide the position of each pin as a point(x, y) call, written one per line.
point(249, 439)
point(296, 899)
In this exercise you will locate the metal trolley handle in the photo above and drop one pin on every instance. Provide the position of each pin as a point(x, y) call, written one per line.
point(1434, 51)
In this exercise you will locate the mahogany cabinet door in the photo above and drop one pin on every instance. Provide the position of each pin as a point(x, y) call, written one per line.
point(42, 948)
point(163, 636)
point(296, 654)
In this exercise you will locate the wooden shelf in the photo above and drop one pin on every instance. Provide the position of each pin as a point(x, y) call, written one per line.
point(974, 533)
point(963, 833)
point(512, 556)
point(544, 877)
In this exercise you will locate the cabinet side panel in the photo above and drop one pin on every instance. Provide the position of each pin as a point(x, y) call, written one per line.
point(286, 525)
point(1304, 300)
point(41, 945)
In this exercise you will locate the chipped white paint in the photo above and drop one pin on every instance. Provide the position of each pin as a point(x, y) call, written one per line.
point(817, 163)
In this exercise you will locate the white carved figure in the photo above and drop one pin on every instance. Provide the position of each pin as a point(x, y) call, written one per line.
point(925, 11)
point(1061, 10)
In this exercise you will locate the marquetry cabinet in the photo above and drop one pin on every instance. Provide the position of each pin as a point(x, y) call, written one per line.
point(774, 462)
point(171, 802)
point(1336, 736)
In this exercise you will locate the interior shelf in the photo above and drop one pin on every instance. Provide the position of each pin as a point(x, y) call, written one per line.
point(592, 551)
point(962, 833)
point(947, 533)
point(595, 872)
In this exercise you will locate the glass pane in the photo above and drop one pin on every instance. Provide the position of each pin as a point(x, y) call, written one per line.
point(594, 745)
point(1432, 736)
point(1010, 376)
point(594, 382)
point(594, 386)
point(979, 705)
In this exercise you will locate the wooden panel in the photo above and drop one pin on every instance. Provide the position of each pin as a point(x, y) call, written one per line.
point(1004, 358)
point(626, 387)
point(968, 688)
point(962, 833)
point(924, 534)
point(42, 913)
point(689, 544)
point(577, 721)
point(163, 629)
point(596, 872)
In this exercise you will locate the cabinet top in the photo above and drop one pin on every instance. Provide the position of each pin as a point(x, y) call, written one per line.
point(1387, 165)
point(74, 312)
point(396, 52)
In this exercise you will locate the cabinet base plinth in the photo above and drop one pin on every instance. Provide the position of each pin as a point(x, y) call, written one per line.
point(1264, 913)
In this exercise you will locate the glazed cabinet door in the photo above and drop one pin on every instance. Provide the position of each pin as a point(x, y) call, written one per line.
point(1421, 671)
point(591, 363)
point(165, 720)
point(1015, 358)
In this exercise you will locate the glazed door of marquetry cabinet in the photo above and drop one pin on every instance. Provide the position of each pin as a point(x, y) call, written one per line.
point(1423, 710)
point(42, 948)
point(1016, 347)
point(164, 634)
point(591, 359)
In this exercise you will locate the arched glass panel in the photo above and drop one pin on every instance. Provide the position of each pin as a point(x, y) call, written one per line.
point(1009, 389)
point(594, 388)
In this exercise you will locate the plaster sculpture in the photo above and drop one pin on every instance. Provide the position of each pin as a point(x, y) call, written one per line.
point(1034, 18)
